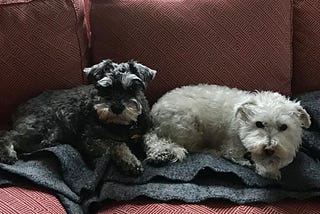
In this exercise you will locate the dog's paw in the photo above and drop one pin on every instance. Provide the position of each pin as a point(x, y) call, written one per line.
point(8, 160)
point(8, 156)
point(161, 158)
point(134, 168)
point(274, 174)
point(166, 155)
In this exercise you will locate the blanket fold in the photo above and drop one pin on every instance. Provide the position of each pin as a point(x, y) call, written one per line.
point(200, 177)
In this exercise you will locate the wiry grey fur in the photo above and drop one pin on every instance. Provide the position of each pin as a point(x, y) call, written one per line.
point(96, 119)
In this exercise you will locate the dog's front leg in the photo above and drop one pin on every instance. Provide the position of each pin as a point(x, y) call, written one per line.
point(233, 150)
point(125, 159)
point(268, 172)
point(161, 151)
point(8, 154)
point(91, 149)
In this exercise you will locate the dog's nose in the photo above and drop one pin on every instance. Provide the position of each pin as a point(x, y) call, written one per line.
point(268, 151)
point(117, 108)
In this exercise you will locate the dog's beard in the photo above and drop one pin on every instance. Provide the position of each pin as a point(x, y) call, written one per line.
point(282, 156)
point(130, 114)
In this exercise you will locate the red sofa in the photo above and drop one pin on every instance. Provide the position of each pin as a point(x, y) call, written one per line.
point(250, 44)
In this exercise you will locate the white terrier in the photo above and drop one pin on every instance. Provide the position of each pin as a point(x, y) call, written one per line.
point(227, 122)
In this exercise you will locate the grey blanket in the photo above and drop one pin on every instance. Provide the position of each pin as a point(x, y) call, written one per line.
point(81, 190)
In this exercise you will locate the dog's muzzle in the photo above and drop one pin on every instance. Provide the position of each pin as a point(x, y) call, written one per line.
point(122, 114)
point(269, 150)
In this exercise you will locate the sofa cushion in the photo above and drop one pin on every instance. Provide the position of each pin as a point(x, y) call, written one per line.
point(245, 44)
point(43, 45)
point(142, 206)
point(19, 200)
point(306, 45)
point(25, 200)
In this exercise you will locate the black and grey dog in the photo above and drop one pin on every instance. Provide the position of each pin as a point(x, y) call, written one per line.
point(97, 119)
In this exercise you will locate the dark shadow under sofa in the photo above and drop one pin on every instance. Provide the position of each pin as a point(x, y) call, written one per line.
point(251, 44)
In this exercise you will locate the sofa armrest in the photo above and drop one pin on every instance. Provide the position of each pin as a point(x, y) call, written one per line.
point(43, 46)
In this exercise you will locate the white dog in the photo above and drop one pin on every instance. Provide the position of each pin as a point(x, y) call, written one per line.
point(227, 122)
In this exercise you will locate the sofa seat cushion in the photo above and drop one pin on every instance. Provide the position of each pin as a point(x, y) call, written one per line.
point(142, 206)
point(43, 46)
point(245, 44)
point(306, 46)
point(19, 200)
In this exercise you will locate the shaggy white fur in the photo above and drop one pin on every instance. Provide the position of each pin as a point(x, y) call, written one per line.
point(227, 122)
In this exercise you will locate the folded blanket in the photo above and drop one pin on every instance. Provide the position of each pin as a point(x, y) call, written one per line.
point(199, 177)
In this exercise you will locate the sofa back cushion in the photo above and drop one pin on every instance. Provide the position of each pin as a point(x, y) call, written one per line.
point(43, 46)
point(244, 44)
point(306, 46)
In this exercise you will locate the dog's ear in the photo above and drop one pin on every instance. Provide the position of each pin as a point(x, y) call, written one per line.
point(303, 117)
point(245, 110)
point(141, 71)
point(99, 74)
point(131, 80)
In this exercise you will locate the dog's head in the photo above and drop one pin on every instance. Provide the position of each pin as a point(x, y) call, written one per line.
point(270, 128)
point(120, 88)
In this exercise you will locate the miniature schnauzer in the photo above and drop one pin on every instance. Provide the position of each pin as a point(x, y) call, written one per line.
point(229, 123)
point(97, 119)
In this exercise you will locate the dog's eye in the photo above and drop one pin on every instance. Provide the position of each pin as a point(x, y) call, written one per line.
point(259, 124)
point(283, 127)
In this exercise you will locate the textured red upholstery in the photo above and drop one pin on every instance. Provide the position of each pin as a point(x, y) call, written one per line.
point(212, 207)
point(306, 44)
point(87, 7)
point(18, 200)
point(239, 43)
point(243, 43)
point(43, 45)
